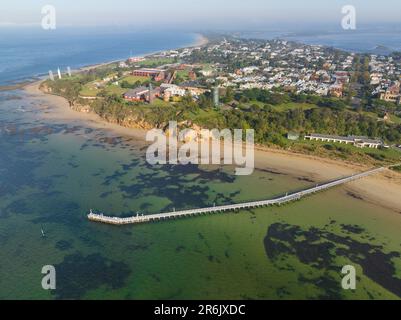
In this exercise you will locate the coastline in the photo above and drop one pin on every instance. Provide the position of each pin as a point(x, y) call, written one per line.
point(303, 166)
point(66, 113)
point(200, 40)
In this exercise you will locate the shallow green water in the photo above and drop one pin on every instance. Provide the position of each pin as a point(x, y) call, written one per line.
point(52, 173)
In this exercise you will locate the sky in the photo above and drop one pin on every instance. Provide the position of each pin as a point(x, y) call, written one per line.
point(198, 14)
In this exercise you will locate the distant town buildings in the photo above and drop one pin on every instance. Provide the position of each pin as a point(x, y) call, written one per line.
point(278, 64)
point(136, 59)
point(336, 90)
point(267, 65)
point(391, 94)
point(385, 75)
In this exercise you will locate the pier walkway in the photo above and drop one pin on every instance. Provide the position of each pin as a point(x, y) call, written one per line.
point(232, 207)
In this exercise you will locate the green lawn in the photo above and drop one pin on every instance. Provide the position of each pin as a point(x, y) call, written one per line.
point(395, 119)
point(202, 117)
point(134, 79)
point(285, 106)
point(369, 114)
point(183, 74)
point(113, 89)
point(293, 105)
point(89, 91)
point(160, 103)
point(155, 62)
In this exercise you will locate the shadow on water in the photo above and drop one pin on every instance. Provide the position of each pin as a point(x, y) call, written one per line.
point(319, 248)
point(78, 274)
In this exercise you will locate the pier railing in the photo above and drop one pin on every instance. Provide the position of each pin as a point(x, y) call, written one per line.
point(231, 207)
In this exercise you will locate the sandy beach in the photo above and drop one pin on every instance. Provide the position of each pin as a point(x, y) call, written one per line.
point(383, 189)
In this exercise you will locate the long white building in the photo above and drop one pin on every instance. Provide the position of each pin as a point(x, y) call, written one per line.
point(361, 142)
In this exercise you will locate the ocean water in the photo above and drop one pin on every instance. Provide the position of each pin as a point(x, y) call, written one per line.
point(27, 53)
point(53, 171)
point(363, 40)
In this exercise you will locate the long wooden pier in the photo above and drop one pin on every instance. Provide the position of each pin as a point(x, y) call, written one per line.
point(232, 207)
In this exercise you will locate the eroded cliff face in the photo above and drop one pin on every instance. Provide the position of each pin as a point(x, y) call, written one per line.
point(45, 88)
point(81, 107)
point(134, 122)
point(130, 121)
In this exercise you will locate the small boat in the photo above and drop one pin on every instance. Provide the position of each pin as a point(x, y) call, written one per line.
point(43, 233)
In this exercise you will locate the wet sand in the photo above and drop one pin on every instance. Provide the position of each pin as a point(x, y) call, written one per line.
point(59, 109)
point(383, 189)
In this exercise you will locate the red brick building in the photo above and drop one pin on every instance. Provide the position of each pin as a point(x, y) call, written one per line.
point(146, 72)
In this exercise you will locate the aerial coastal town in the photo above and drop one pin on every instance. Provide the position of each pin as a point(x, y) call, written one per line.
point(232, 76)
point(274, 64)
point(198, 159)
